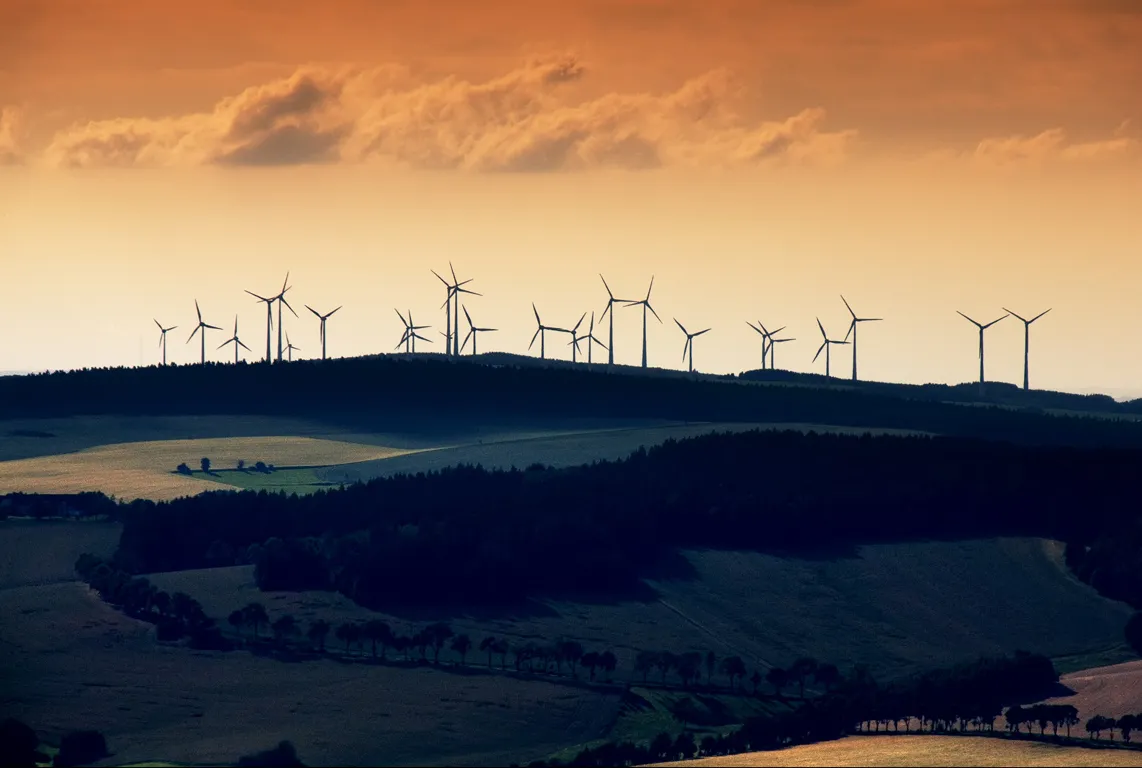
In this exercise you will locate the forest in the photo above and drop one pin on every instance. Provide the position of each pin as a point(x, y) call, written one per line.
point(466, 535)
point(440, 391)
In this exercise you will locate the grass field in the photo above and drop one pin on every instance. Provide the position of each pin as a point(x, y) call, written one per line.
point(68, 661)
point(44, 551)
point(905, 750)
point(145, 469)
point(898, 608)
point(1113, 691)
point(559, 450)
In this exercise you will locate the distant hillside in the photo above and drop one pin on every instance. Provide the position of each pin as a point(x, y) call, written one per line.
point(385, 391)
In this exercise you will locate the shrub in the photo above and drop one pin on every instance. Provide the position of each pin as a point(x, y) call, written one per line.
point(241, 465)
point(81, 748)
point(1134, 632)
point(260, 466)
point(18, 743)
point(183, 469)
point(283, 754)
point(205, 464)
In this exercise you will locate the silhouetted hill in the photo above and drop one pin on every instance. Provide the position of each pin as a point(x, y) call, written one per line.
point(386, 389)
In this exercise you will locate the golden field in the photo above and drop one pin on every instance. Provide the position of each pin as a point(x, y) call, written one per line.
point(145, 469)
point(925, 751)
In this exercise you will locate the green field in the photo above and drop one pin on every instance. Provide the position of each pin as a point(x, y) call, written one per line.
point(913, 750)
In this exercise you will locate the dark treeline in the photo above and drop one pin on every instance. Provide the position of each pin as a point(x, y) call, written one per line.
point(345, 388)
point(470, 535)
point(43, 505)
point(963, 697)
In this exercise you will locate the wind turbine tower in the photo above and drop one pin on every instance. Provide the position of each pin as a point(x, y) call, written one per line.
point(611, 300)
point(689, 345)
point(281, 299)
point(575, 338)
point(589, 338)
point(982, 328)
point(541, 333)
point(322, 318)
point(163, 338)
point(473, 331)
point(290, 347)
point(825, 346)
point(235, 341)
point(203, 327)
point(853, 331)
point(269, 302)
point(645, 304)
point(1026, 340)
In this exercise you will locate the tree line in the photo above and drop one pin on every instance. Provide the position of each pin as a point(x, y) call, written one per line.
point(469, 535)
point(180, 616)
point(968, 696)
point(349, 389)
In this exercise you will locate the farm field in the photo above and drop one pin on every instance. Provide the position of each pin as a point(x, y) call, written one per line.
point(145, 469)
point(913, 750)
point(896, 607)
point(1113, 691)
point(69, 661)
point(558, 450)
point(36, 552)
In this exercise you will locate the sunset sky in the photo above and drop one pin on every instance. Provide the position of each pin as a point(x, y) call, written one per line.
point(759, 157)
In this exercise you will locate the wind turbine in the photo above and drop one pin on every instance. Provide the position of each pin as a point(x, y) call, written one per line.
point(982, 328)
point(574, 343)
point(611, 300)
point(269, 322)
point(772, 356)
point(1026, 339)
point(853, 330)
point(472, 331)
point(408, 339)
point(290, 347)
point(235, 341)
point(769, 339)
point(201, 327)
point(451, 306)
point(163, 338)
point(645, 306)
point(322, 318)
point(825, 346)
point(541, 332)
point(589, 338)
point(281, 299)
point(689, 345)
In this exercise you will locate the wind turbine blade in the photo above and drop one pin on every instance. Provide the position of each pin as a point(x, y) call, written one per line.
point(211, 327)
point(751, 325)
point(469, 322)
point(651, 288)
point(851, 326)
point(466, 339)
point(536, 336)
point(242, 345)
point(283, 301)
point(601, 344)
point(823, 334)
point(699, 333)
point(993, 322)
point(418, 336)
point(536, 311)
point(850, 309)
point(869, 319)
point(965, 317)
point(400, 316)
point(332, 313)
point(160, 325)
point(192, 333)
point(455, 281)
point(838, 342)
point(607, 308)
point(228, 341)
point(591, 328)
point(675, 319)
point(656, 317)
point(606, 286)
point(1036, 317)
point(1019, 317)
point(199, 311)
point(581, 319)
point(465, 290)
point(285, 283)
point(820, 350)
point(685, 347)
point(314, 311)
point(259, 298)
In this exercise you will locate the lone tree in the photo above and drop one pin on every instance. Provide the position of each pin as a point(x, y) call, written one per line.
point(184, 469)
point(283, 754)
point(608, 662)
point(377, 631)
point(81, 748)
point(827, 675)
point(205, 464)
point(462, 644)
point(284, 628)
point(437, 635)
point(237, 619)
point(488, 645)
point(801, 669)
point(256, 616)
point(711, 664)
point(733, 667)
point(317, 632)
point(778, 678)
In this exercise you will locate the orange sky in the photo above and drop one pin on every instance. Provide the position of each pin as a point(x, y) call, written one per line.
point(872, 147)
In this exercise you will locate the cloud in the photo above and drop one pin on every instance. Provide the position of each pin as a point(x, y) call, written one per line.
point(527, 120)
point(1053, 145)
point(10, 136)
